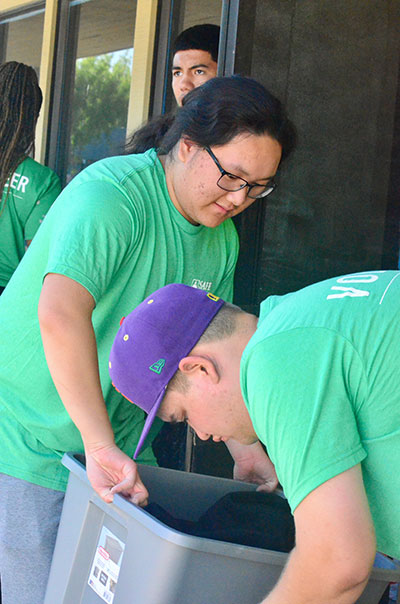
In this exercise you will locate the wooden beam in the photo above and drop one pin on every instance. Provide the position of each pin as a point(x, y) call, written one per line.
point(139, 98)
point(8, 5)
point(46, 76)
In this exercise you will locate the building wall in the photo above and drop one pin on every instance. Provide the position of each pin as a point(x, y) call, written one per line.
point(336, 66)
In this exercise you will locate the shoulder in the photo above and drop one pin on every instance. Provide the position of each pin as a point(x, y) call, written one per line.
point(128, 176)
point(31, 181)
point(31, 167)
point(120, 166)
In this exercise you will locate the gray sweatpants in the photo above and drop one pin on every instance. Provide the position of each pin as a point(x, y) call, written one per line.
point(29, 518)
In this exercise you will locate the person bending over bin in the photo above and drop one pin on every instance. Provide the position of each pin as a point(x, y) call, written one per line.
point(122, 228)
point(316, 379)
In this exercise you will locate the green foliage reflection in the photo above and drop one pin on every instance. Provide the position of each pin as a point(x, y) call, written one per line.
point(100, 105)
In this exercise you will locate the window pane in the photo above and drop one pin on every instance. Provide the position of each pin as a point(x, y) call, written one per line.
point(195, 13)
point(103, 70)
point(24, 39)
point(337, 208)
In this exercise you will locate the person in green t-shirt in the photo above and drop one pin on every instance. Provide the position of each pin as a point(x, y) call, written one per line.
point(27, 189)
point(121, 228)
point(315, 379)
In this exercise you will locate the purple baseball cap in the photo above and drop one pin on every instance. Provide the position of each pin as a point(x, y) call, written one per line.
point(153, 339)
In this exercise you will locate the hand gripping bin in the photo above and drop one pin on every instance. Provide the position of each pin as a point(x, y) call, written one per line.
point(118, 553)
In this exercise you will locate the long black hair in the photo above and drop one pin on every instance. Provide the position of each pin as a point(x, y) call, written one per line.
point(224, 107)
point(150, 135)
point(214, 113)
point(20, 102)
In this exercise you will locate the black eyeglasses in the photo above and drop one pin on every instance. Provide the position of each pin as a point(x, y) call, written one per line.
point(231, 182)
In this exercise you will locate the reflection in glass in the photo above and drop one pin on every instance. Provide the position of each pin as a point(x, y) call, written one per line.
point(101, 81)
point(101, 96)
point(24, 38)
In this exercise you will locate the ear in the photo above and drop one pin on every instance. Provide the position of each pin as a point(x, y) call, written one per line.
point(185, 149)
point(199, 367)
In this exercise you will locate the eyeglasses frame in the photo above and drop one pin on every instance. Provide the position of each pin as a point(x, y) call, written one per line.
point(223, 172)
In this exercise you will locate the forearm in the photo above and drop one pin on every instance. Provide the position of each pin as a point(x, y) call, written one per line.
point(240, 452)
point(70, 347)
point(65, 317)
point(252, 464)
point(312, 581)
point(335, 545)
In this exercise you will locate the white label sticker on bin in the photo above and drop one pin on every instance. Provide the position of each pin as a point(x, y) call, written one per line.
point(104, 573)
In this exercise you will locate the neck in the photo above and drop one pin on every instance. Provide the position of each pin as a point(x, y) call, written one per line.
point(247, 325)
point(172, 169)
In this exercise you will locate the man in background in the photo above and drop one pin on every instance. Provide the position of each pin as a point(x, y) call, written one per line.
point(195, 55)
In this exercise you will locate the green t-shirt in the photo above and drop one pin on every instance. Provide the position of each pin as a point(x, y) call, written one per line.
point(115, 231)
point(320, 378)
point(26, 199)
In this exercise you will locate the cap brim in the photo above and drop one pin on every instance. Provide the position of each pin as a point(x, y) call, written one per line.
point(149, 422)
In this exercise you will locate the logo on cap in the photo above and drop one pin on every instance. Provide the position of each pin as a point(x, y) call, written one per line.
point(158, 366)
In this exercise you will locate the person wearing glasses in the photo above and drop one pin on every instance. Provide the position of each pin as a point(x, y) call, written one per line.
point(231, 182)
point(122, 228)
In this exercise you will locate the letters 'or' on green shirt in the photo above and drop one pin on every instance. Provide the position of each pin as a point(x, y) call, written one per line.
point(320, 378)
point(115, 231)
point(26, 199)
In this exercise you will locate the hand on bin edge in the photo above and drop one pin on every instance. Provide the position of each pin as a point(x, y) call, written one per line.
point(252, 464)
point(111, 471)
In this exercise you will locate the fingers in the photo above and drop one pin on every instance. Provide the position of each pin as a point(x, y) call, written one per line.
point(268, 486)
point(105, 495)
point(136, 493)
point(111, 471)
point(140, 499)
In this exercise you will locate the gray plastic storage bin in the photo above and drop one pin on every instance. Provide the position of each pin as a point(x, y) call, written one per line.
point(129, 557)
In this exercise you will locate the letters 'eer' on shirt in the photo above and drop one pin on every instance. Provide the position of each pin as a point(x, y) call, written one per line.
point(26, 199)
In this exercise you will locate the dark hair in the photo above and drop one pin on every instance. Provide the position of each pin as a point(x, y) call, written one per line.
point(20, 102)
point(149, 135)
point(199, 37)
point(222, 108)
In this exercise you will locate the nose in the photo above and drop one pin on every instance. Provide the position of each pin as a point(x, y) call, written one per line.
point(237, 198)
point(186, 83)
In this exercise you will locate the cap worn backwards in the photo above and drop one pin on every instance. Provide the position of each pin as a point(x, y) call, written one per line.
point(153, 339)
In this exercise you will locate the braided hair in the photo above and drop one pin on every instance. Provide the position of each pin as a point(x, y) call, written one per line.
point(20, 102)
